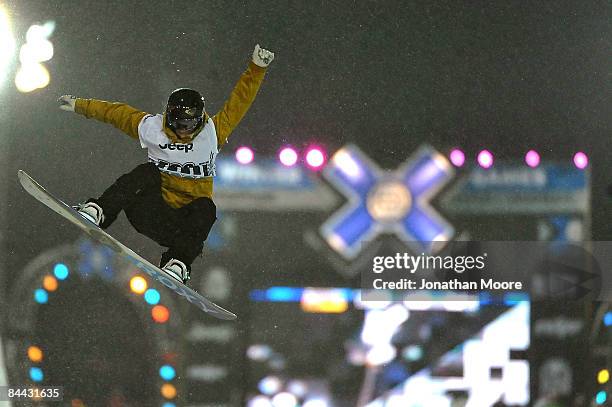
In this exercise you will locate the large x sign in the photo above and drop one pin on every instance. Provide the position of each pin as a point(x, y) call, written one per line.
point(395, 202)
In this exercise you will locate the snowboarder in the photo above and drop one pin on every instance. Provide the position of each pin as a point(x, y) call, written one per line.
point(169, 198)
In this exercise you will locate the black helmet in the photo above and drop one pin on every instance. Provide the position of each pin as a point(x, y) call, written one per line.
point(185, 110)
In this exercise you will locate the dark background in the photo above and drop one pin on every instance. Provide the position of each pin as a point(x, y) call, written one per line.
point(388, 76)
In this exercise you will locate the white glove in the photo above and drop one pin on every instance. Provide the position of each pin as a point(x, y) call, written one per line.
point(67, 102)
point(262, 57)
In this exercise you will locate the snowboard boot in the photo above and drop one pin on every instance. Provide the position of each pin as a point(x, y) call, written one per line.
point(91, 211)
point(178, 270)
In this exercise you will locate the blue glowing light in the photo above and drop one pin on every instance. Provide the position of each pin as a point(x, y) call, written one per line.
point(36, 374)
point(152, 296)
point(348, 294)
point(258, 295)
point(167, 372)
point(61, 271)
point(515, 298)
point(601, 397)
point(168, 404)
point(608, 318)
point(41, 296)
point(284, 294)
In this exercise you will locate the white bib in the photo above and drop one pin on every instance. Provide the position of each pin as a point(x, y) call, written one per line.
point(192, 160)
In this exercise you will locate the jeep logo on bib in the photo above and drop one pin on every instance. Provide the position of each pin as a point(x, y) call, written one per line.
point(181, 147)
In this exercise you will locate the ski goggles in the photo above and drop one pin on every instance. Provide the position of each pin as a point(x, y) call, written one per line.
point(187, 124)
point(180, 121)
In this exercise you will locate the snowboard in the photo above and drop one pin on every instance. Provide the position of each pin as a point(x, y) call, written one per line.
point(59, 207)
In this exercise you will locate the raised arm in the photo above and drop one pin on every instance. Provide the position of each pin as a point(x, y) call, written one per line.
point(243, 95)
point(122, 116)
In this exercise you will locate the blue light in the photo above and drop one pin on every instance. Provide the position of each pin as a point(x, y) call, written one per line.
point(515, 298)
point(601, 397)
point(395, 372)
point(168, 404)
point(348, 294)
point(608, 318)
point(36, 374)
point(41, 296)
point(412, 353)
point(485, 299)
point(61, 271)
point(284, 294)
point(152, 296)
point(258, 295)
point(167, 372)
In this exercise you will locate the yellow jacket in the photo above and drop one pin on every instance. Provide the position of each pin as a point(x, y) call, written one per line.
point(178, 191)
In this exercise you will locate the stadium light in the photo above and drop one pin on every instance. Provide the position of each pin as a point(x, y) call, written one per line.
point(412, 353)
point(7, 41)
point(270, 385)
point(607, 319)
point(315, 157)
point(36, 374)
point(60, 271)
point(138, 285)
point(457, 157)
point(601, 397)
point(32, 74)
point(259, 352)
point(41, 296)
point(168, 391)
point(35, 354)
point(532, 158)
point(31, 77)
point(288, 156)
point(50, 283)
point(284, 399)
point(485, 159)
point(152, 296)
point(167, 372)
point(603, 376)
point(244, 155)
point(581, 161)
point(160, 314)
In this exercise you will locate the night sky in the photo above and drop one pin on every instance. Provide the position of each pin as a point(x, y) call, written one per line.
point(385, 75)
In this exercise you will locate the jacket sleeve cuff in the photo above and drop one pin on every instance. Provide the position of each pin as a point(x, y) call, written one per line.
point(80, 106)
point(256, 68)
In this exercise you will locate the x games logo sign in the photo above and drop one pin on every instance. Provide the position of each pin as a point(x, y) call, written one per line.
point(386, 202)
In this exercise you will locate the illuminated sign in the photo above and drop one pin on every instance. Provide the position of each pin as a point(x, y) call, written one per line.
point(393, 202)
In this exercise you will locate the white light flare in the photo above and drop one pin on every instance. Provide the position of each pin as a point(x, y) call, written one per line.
point(33, 74)
point(7, 44)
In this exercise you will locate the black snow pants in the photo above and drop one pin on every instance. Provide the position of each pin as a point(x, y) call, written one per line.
point(138, 193)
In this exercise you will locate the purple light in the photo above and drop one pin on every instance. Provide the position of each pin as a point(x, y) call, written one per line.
point(532, 158)
point(315, 158)
point(457, 157)
point(485, 159)
point(288, 157)
point(244, 155)
point(581, 160)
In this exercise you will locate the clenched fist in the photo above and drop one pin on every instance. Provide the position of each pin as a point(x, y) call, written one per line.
point(262, 57)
